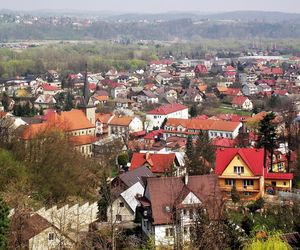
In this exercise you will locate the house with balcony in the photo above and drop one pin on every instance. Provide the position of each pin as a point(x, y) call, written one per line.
point(244, 169)
point(170, 205)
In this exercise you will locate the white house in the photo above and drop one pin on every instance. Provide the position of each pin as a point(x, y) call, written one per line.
point(166, 197)
point(163, 78)
point(214, 128)
point(44, 101)
point(250, 89)
point(156, 117)
point(124, 207)
point(242, 102)
point(124, 125)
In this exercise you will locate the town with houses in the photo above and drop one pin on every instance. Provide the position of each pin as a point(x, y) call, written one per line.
point(158, 114)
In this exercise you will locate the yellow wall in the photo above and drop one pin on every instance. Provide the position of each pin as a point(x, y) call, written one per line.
point(280, 183)
point(237, 161)
point(228, 173)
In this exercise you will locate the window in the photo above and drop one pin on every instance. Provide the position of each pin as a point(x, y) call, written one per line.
point(239, 170)
point(280, 166)
point(247, 194)
point(121, 204)
point(191, 213)
point(118, 217)
point(284, 183)
point(169, 232)
point(185, 230)
point(229, 182)
point(184, 212)
point(51, 236)
point(248, 182)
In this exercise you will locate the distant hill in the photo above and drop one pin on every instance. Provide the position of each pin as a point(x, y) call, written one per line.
point(167, 26)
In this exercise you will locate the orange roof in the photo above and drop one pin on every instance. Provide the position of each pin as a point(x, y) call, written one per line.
point(121, 121)
point(222, 89)
point(101, 97)
point(103, 118)
point(83, 140)
point(71, 120)
point(202, 87)
point(33, 130)
point(198, 124)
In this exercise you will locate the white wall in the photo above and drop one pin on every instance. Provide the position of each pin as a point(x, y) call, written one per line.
point(157, 120)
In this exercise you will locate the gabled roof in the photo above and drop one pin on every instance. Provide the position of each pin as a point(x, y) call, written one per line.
point(170, 192)
point(130, 195)
point(239, 100)
point(167, 109)
point(253, 158)
point(48, 87)
point(232, 91)
point(131, 177)
point(159, 163)
point(121, 121)
point(74, 119)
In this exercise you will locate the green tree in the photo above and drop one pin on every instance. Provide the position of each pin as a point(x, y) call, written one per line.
point(256, 205)
point(193, 110)
point(186, 82)
point(4, 223)
point(247, 224)
point(189, 148)
point(235, 197)
point(203, 156)
point(267, 241)
point(267, 134)
point(104, 198)
point(5, 100)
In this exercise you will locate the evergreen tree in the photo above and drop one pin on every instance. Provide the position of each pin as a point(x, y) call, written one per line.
point(186, 83)
point(267, 132)
point(203, 156)
point(5, 101)
point(189, 148)
point(105, 198)
point(4, 223)
point(69, 102)
point(235, 197)
point(193, 111)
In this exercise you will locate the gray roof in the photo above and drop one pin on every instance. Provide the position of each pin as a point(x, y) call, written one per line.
point(134, 176)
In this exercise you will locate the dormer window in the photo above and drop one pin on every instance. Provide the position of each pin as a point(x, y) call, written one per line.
point(238, 170)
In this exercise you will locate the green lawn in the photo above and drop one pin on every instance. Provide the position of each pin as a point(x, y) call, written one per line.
point(224, 109)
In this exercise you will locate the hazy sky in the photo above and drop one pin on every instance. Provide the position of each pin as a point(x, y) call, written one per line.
point(155, 5)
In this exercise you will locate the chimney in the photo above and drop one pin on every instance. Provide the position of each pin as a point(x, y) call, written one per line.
point(186, 179)
point(147, 155)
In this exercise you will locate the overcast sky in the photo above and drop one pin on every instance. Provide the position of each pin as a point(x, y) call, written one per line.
point(155, 5)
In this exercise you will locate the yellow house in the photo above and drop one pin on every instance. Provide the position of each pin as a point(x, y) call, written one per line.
point(244, 168)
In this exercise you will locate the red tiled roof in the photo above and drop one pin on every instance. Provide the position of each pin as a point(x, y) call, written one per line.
point(167, 109)
point(239, 100)
point(159, 163)
point(253, 158)
point(223, 142)
point(199, 124)
point(153, 134)
point(48, 87)
point(232, 91)
point(278, 176)
point(201, 69)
